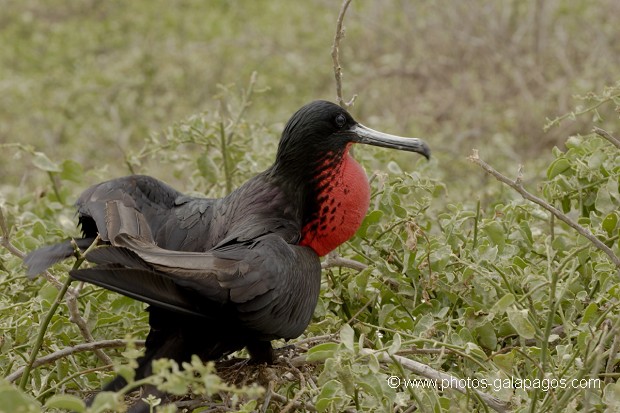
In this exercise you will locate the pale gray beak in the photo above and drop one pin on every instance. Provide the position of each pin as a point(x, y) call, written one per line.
point(376, 138)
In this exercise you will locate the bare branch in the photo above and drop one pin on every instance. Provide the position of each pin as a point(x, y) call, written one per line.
point(302, 389)
point(50, 358)
point(296, 405)
point(315, 339)
point(604, 134)
point(338, 261)
point(76, 317)
point(74, 312)
point(517, 186)
point(441, 377)
point(336, 57)
point(416, 368)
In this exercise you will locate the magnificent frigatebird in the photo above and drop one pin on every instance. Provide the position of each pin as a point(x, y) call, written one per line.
point(239, 271)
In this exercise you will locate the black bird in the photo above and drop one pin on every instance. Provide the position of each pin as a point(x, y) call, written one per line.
point(240, 271)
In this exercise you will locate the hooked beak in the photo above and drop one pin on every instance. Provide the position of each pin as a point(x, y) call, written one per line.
point(376, 138)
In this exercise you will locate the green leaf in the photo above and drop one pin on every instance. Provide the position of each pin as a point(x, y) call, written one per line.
point(71, 171)
point(127, 372)
point(423, 325)
point(372, 218)
point(566, 204)
point(519, 320)
point(42, 162)
point(505, 361)
point(503, 303)
point(519, 262)
point(609, 223)
point(574, 142)
point(67, 402)
point(207, 167)
point(248, 407)
point(39, 229)
point(328, 395)
point(15, 400)
point(322, 351)
point(384, 313)
point(589, 313)
point(394, 168)
point(611, 396)
point(347, 336)
point(486, 336)
point(607, 197)
point(496, 233)
point(395, 346)
point(526, 231)
point(373, 363)
point(557, 167)
point(106, 401)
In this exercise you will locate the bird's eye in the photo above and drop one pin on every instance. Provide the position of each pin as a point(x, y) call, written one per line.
point(340, 120)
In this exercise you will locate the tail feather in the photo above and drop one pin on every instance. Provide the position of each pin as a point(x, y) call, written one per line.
point(41, 259)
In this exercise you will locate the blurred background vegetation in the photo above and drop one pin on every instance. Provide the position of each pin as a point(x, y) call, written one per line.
point(90, 80)
point(461, 269)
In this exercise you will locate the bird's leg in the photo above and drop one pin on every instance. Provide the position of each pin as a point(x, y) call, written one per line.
point(261, 352)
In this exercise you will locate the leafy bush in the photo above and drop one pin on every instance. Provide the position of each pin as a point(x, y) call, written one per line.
point(449, 270)
point(504, 294)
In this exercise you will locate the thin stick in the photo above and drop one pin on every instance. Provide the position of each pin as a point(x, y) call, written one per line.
point(71, 293)
point(67, 351)
point(604, 134)
point(336, 57)
point(74, 312)
point(439, 376)
point(268, 394)
point(517, 186)
point(297, 405)
point(302, 389)
point(337, 261)
point(39, 340)
point(48, 318)
point(76, 317)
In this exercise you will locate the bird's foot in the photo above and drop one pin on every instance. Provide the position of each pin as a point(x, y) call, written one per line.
point(261, 352)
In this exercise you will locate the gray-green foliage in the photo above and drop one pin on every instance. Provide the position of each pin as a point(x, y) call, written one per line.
point(504, 291)
point(462, 273)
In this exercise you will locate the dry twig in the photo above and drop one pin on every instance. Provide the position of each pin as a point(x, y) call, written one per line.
point(335, 260)
point(302, 389)
point(441, 377)
point(67, 351)
point(606, 135)
point(77, 319)
point(518, 186)
point(296, 405)
point(336, 57)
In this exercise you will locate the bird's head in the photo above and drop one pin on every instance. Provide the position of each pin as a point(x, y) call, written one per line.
point(322, 129)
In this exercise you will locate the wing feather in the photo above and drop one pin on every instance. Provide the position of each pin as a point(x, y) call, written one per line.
point(143, 285)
